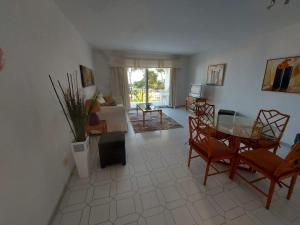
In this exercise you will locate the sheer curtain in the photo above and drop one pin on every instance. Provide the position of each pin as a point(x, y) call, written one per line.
point(119, 84)
point(172, 98)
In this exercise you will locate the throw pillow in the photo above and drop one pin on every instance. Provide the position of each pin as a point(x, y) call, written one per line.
point(101, 100)
point(109, 101)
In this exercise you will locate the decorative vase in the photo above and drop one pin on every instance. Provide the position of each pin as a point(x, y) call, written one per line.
point(80, 151)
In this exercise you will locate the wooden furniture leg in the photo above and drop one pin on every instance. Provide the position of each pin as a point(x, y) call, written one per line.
point(292, 185)
point(270, 194)
point(206, 172)
point(160, 112)
point(186, 104)
point(190, 156)
point(143, 119)
point(236, 146)
point(233, 166)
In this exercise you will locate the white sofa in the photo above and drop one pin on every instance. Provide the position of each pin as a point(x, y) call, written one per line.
point(115, 116)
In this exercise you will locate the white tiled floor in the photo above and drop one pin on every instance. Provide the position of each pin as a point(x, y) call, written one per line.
point(157, 188)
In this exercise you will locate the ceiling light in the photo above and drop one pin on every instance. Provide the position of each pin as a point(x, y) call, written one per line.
point(272, 3)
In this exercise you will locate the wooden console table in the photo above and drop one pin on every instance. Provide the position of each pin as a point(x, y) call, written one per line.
point(190, 101)
point(97, 129)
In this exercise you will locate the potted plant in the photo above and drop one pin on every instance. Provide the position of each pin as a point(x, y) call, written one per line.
point(77, 116)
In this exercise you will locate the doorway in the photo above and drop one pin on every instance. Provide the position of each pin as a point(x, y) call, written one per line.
point(149, 85)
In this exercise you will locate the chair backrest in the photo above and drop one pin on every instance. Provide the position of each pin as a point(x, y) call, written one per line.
point(297, 138)
point(206, 112)
point(291, 163)
point(272, 123)
point(200, 133)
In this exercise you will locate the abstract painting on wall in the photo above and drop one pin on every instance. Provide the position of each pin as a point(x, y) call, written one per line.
point(215, 74)
point(87, 76)
point(282, 75)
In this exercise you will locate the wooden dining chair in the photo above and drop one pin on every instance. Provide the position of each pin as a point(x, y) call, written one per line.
point(206, 112)
point(272, 125)
point(272, 167)
point(207, 147)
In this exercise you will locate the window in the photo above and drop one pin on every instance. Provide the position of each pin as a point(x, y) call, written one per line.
point(149, 85)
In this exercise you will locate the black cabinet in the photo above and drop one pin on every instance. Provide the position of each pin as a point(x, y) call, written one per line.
point(112, 148)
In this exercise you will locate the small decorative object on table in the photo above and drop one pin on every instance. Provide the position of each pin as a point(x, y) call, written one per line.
point(148, 106)
point(112, 148)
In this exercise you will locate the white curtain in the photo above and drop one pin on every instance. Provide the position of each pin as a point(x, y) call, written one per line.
point(172, 98)
point(144, 63)
point(119, 85)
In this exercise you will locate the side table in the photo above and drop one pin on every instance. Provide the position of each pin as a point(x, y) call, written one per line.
point(97, 129)
point(112, 148)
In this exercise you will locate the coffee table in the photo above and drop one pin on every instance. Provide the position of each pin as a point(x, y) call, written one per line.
point(143, 107)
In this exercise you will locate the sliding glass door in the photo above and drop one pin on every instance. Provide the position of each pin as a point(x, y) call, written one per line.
point(149, 85)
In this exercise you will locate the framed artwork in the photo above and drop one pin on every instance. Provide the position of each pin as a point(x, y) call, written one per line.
point(215, 74)
point(87, 76)
point(282, 75)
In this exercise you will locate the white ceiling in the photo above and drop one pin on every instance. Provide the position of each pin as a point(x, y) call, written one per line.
point(175, 26)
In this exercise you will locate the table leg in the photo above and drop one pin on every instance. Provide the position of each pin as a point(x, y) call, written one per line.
point(160, 117)
point(143, 119)
point(236, 142)
point(137, 110)
point(186, 104)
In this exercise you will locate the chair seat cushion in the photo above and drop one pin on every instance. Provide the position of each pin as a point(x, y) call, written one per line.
point(218, 149)
point(263, 159)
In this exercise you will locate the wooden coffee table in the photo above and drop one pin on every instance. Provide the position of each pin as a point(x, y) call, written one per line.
point(150, 109)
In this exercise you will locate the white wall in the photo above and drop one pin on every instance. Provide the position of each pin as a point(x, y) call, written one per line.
point(244, 75)
point(34, 137)
point(102, 72)
point(101, 62)
point(182, 82)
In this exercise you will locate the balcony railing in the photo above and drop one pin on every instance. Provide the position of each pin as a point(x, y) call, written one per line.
point(159, 97)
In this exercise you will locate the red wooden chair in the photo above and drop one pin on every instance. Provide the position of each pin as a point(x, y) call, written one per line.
point(272, 125)
point(206, 146)
point(272, 167)
point(206, 112)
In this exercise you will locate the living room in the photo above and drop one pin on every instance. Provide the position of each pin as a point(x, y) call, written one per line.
point(172, 48)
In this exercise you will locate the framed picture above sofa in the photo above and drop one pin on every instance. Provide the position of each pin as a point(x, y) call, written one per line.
point(282, 75)
point(215, 74)
point(87, 76)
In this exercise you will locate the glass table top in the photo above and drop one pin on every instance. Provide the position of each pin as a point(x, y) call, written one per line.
point(147, 107)
point(243, 127)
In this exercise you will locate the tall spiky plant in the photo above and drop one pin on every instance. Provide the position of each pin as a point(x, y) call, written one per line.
point(73, 106)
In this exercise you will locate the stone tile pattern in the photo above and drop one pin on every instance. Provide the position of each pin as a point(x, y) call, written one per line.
point(157, 188)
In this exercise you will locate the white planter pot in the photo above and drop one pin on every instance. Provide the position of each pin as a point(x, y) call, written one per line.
point(80, 151)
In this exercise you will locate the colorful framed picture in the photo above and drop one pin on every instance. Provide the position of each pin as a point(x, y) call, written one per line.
point(282, 75)
point(87, 76)
point(215, 74)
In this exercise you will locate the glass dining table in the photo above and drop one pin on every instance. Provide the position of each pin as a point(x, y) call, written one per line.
point(239, 128)
point(244, 127)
